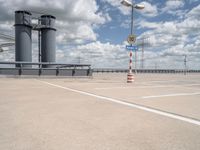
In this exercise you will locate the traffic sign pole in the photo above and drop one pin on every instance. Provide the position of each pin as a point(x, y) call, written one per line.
point(135, 62)
point(130, 62)
point(131, 40)
point(130, 77)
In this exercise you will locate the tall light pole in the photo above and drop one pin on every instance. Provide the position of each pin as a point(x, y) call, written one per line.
point(133, 6)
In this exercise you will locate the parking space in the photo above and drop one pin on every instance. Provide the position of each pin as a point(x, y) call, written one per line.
point(175, 93)
point(103, 112)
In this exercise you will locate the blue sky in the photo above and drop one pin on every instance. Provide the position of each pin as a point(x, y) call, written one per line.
point(115, 33)
point(95, 31)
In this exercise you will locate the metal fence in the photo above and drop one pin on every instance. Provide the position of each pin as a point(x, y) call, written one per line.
point(110, 70)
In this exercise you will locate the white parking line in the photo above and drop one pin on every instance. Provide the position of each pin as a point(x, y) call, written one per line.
point(122, 102)
point(171, 95)
point(160, 81)
point(128, 87)
point(143, 87)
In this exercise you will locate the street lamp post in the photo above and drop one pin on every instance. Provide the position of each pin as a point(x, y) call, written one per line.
point(136, 6)
point(132, 20)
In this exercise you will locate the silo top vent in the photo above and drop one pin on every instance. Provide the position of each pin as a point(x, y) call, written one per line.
point(48, 16)
point(23, 11)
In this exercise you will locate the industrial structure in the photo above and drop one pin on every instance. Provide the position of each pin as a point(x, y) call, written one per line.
point(46, 64)
point(48, 38)
point(23, 38)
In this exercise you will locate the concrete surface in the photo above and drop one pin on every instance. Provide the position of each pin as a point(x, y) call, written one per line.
point(60, 114)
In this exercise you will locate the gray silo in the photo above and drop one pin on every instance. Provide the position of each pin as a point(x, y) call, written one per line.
point(23, 38)
point(48, 39)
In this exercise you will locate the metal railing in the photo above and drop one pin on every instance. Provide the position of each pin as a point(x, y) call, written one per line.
point(111, 70)
point(45, 68)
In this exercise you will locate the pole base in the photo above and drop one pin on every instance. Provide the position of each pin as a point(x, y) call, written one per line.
point(130, 78)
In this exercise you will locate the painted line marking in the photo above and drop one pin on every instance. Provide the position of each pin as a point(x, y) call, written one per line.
point(140, 87)
point(133, 105)
point(171, 81)
point(143, 87)
point(20, 88)
point(160, 81)
point(171, 95)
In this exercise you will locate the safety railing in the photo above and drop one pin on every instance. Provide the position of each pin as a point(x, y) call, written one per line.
point(111, 70)
point(45, 68)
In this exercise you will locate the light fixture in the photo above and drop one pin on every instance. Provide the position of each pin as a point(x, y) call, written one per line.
point(139, 6)
point(127, 3)
point(130, 4)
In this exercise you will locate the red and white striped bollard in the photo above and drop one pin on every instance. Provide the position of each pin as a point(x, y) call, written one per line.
point(130, 77)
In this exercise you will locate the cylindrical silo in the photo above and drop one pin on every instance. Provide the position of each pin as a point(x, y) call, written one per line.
point(48, 39)
point(23, 40)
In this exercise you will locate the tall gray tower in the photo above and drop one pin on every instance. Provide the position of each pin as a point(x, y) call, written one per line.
point(23, 38)
point(48, 39)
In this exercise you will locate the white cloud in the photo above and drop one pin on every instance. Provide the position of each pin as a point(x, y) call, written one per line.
point(173, 7)
point(194, 13)
point(174, 4)
point(146, 24)
point(173, 39)
point(149, 10)
point(117, 4)
point(98, 54)
point(75, 33)
point(75, 19)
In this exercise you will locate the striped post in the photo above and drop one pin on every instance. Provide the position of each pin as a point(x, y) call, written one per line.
point(130, 62)
point(130, 77)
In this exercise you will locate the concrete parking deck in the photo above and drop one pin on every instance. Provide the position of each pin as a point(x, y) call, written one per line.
point(157, 111)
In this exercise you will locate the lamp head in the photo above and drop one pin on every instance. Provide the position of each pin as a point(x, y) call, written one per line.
point(126, 3)
point(139, 6)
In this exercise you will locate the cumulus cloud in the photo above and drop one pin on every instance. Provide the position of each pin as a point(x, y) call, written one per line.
point(194, 13)
point(149, 10)
point(77, 38)
point(171, 5)
point(173, 39)
point(117, 4)
point(174, 7)
point(98, 54)
point(75, 19)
